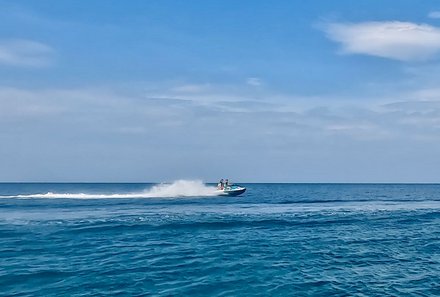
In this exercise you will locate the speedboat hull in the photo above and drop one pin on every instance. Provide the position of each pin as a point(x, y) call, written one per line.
point(232, 191)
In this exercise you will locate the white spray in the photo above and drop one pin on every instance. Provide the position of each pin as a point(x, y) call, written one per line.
point(180, 188)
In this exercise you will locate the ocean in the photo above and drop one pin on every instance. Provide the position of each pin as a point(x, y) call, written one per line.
point(180, 239)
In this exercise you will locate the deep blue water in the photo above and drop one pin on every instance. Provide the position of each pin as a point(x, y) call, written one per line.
point(276, 240)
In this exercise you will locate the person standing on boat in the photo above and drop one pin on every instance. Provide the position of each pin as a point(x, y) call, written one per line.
point(226, 183)
point(220, 184)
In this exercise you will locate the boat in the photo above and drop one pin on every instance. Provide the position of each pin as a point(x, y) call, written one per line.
point(232, 190)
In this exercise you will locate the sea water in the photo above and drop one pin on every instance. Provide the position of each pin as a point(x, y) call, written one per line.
point(181, 239)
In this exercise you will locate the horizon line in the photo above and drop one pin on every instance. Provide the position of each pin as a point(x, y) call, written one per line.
point(166, 182)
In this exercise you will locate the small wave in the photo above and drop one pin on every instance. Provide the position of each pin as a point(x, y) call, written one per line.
point(180, 188)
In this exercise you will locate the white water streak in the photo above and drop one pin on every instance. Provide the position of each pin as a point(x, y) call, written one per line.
point(180, 188)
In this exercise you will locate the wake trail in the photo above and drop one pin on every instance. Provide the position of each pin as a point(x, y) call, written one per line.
point(180, 188)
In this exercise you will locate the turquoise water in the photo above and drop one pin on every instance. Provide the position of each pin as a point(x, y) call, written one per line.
point(276, 240)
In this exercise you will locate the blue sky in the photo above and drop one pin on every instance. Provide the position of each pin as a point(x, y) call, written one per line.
point(284, 91)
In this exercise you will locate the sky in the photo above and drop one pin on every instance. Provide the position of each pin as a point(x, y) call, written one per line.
point(254, 91)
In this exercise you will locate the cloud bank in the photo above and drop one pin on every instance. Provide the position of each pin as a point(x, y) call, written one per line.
point(107, 134)
point(402, 41)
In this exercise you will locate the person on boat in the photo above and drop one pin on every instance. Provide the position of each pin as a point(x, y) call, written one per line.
point(220, 184)
point(226, 183)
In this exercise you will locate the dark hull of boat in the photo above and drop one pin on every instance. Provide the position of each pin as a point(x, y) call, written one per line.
point(234, 192)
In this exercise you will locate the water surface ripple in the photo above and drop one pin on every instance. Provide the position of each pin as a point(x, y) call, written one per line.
point(277, 240)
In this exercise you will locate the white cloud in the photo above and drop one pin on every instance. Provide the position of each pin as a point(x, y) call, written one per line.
point(147, 109)
point(191, 88)
point(254, 81)
point(434, 15)
point(402, 41)
point(427, 94)
point(20, 52)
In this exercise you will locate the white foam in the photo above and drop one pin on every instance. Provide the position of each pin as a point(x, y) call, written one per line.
point(180, 188)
